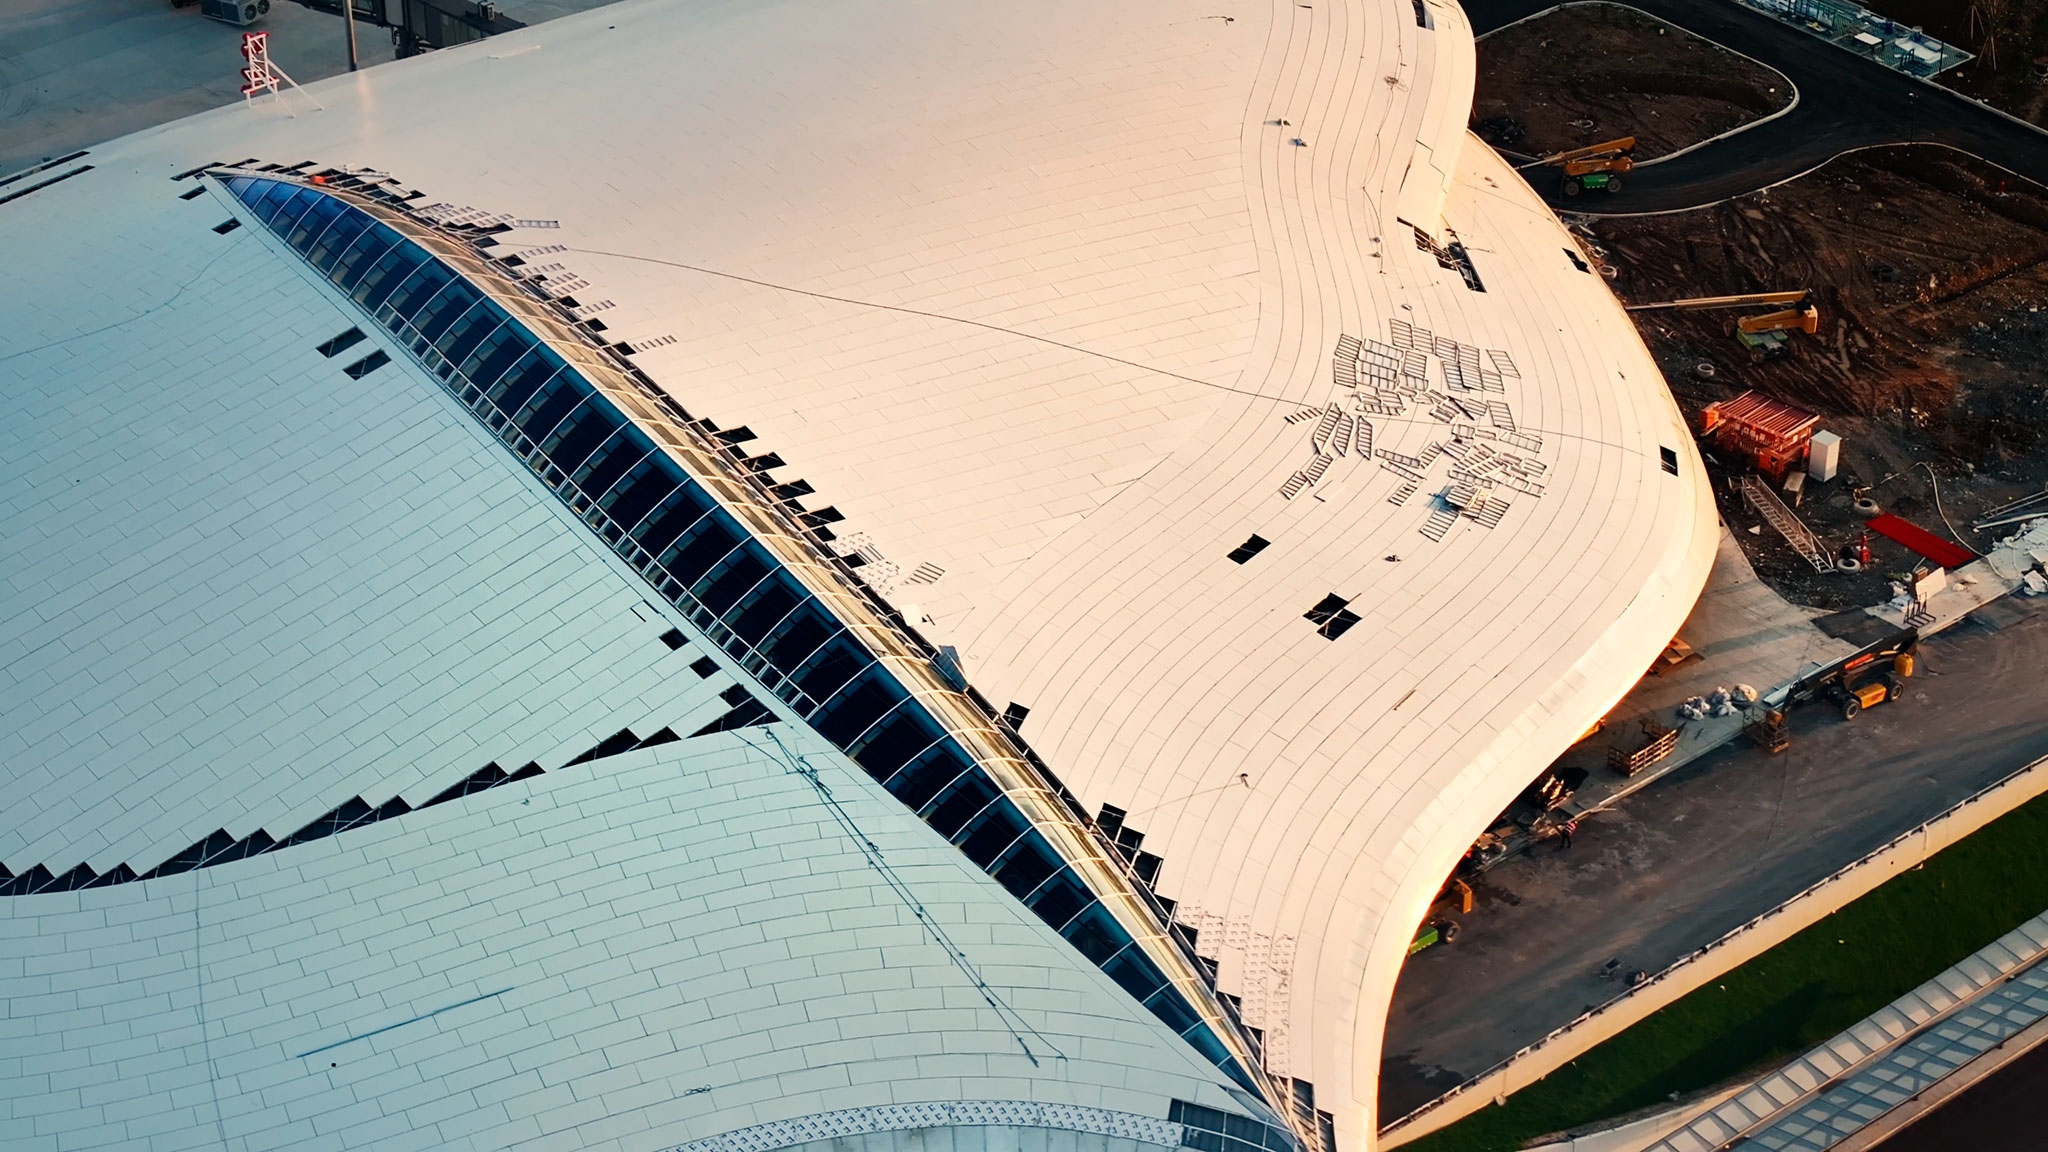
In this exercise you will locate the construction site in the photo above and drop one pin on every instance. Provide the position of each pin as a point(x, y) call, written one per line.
point(1857, 347)
point(1592, 72)
point(1927, 273)
point(2011, 41)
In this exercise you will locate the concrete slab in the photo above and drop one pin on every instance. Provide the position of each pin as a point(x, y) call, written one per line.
point(1744, 633)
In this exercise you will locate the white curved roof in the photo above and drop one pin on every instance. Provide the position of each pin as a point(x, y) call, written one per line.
point(1051, 300)
point(688, 943)
point(251, 588)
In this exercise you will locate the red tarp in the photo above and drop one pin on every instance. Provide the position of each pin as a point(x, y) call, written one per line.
point(1946, 553)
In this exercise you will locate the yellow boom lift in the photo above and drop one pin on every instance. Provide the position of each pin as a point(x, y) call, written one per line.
point(1596, 166)
point(1763, 334)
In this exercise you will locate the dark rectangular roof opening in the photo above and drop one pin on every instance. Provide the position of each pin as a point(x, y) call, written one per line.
point(1326, 608)
point(1249, 549)
point(1670, 460)
point(1331, 616)
point(367, 365)
point(341, 343)
point(227, 226)
point(746, 711)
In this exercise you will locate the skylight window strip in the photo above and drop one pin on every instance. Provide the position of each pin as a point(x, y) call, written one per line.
point(347, 229)
point(847, 667)
point(290, 209)
point(610, 463)
point(386, 277)
point(438, 316)
point(415, 297)
point(471, 330)
point(271, 199)
point(317, 218)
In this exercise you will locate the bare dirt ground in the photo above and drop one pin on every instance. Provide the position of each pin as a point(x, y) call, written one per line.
point(1930, 270)
point(1595, 72)
point(2010, 38)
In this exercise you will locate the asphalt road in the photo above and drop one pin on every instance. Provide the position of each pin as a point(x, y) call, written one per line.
point(1696, 854)
point(1845, 102)
point(2007, 1111)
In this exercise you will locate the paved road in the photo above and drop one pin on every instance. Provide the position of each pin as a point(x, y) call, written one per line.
point(1696, 854)
point(1845, 102)
point(2005, 1112)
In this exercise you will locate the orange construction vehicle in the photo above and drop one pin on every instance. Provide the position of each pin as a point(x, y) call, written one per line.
point(1596, 166)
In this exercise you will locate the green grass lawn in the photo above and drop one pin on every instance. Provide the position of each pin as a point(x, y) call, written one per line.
point(1794, 996)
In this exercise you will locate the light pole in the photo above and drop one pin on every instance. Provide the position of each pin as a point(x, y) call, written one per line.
point(348, 18)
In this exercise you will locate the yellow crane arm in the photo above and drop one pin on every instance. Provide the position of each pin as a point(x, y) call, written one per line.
point(1599, 164)
point(1603, 149)
point(1799, 298)
point(1805, 319)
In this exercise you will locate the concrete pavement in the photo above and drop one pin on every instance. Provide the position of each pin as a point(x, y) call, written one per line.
point(1744, 633)
point(1717, 843)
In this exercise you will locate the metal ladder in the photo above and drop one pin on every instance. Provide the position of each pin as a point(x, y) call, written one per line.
point(1791, 527)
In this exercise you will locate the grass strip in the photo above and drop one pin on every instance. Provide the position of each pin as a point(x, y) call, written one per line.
point(1792, 997)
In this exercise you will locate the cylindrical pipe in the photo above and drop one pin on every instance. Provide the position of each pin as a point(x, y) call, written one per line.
point(348, 19)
